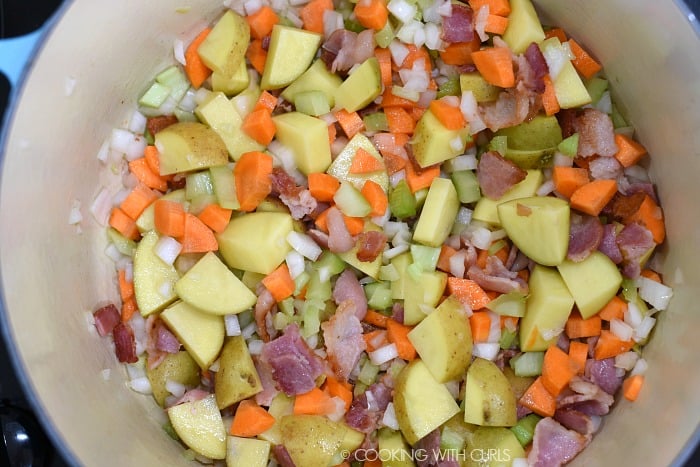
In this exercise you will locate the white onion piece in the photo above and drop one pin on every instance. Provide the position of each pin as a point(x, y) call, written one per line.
point(389, 418)
point(487, 350)
point(604, 104)
point(562, 160)
point(495, 328)
point(402, 10)
point(165, 289)
point(137, 123)
point(167, 249)
point(304, 245)
point(103, 152)
point(640, 367)
point(294, 18)
point(255, 346)
point(138, 325)
point(399, 51)
point(252, 6)
point(520, 462)
point(432, 36)
point(106, 374)
point(248, 331)
point(141, 385)
point(464, 216)
point(637, 172)
point(481, 237)
point(642, 331)
point(480, 19)
point(633, 316)
point(458, 264)
point(295, 263)
point(445, 8)
point(75, 215)
point(384, 354)
point(232, 325)
point(175, 388)
point(464, 162)
point(546, 188)
point(654, 293)
point(135, 370)
point(622, 330)
point(338, 411)
point(179, 51)
point(470, 110)
point(626, 360)
point(113, 253)
point(188, 103)
point(332, 21)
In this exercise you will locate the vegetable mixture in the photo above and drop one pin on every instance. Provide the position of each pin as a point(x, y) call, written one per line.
point(382, 233)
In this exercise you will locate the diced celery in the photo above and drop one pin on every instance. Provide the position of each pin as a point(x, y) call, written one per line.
point(252, 279)
point(350, 201)
point(379, 295)
point(286, 306)
point(569, 146)
point(312, 103)
point(451, 440)
point(617, 118)
point(527, 364)
point(384, 36)
point(499, 144)
point(467, 186)
point(415, 271)
point(401, 201)
point(198, 184)
point(280, 321)
point(524, 430)
point(425, 256)
point(496, 247)
point(175, 79)
point(328, 265)
point(596, 87)
point(311, 317)
point(421, 196)
point(245, 318)
point(123, 245)
point(450, 87)
point(389, 273)
point(508, 338)
point(198, 203)
point(155, 95)
point(629, 290)
point(300, 282)
point(408, 94)
point(368, 373)
point(359, 388)
point(509, 304)
point(184, 116)
point(354, 26)
point(376, 122)
point(318, 289)
point(224, 186)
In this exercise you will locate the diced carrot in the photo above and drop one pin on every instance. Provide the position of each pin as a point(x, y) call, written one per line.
point(559, 33)
point(384, 58)
point(557, 370)
point(549, 97)
point(341, 389)
point(583, 62)
point(262, 21)
point(399, 120)
point(416, 113)
point(631, 387)
point(480, 323)
point(651, 274)
point(449, 115)
point(138, 200)
point(259, 125)
point(363, 163)
point(468, 292)
point(397, 334)
point(496, 24)
point(393, 162)
point(375, 339)
point(142, 171)
point(496, 7)
point(332, 133)
point(279, 283)
point(578, 353)
point(592, 197)
point(495, 65)
point(650, 216)
point(256, 55)
point(481, 257)
point(423, 178)
point(614, 309)
point(312, 14)
point(197, 72)
point(314, 402)
point(123, 224)
point(373, 462)
point(129, 307)
point(389, 99)
point(215, 217)
point(375, 318)
point(350, 122)
point(577, 327)
point(509, 322)
point(415, 54)
point(609, 345)
point(372, 14)
point(126, 287)
point(169, 218)
point(252, 175)
point(198, 238)
point(250, 420)
point(568, 179)
point(446, 252)
point(538, 399)
point(323, 186)
point(376, 197)
point(460, 53)
point(266, 101)
point(628, 150)
point(152, 158)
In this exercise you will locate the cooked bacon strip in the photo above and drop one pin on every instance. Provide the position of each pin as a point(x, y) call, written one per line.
point(511, 108)
point(297, 198)
point(263, 307)
point(577, 421)
point(339, 239)
point(397, 312)
point(125, 343)
point(347, 287)
point(497, 174)
point(344, 48)
point(370, 244)
point(634, 241)
point(318, 236)
point(342, 334)
point(553, 445)
point(430, 455)
point(585, 235)
point(607, 168)
point(458, 27)
point(586, 397)
point(106, 318)
point(604, 374)
point(538, 68)
point(497, 277)
point(191, 395)
point(608, 244)
point(282, 456)
point(368, 408)
point(269, 391)
point(596, 134)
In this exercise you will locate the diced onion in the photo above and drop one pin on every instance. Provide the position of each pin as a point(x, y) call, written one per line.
point(654, 293)
point(399, 51)
point(464, 216)
point(75, 216)
point(642, 331)
point(495, 329)
point(639, 368)
point(432, 36)
point(175, 388)
point(338, 411)
point(562, 160)
point(295, 263)
point(304, 245)
point(402, 10)
point(179, 51)
point(141, 385)
point(546, 188)
point(138, 324)
point(137, 123)
point(332, 21)
point(112, 252)
point(188, 103)
point(487, 350)
point(395, 251)
point(470, 110)
point(633, 316)
point(444, 8)
point(252, 6)
point(384, 354)
point(464, 162)
point(637, 172)
point(249, 330)
point(103, 152)
point(167, 249)
point(520, 462)
point(106, 374)
point(165, 289)
point(480, 20)
point(626, 360)
point(604, 104)
point(389, 418)
point(456, 144)
point(458, 264)
point(255, 346)
point(232, 325)
point(481, 237)
point(622, 330)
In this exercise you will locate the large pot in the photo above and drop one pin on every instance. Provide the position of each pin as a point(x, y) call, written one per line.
point(52, 276)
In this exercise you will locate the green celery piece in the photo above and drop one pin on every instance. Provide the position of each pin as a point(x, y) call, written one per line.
point(312, 103)
point(451, 440)
point(155, 95)
point(311, 318)
point(376, 122)
point(401, 201)
point(400, 91)
point(510, 304)
point(123, 245)
point(318, 289)
point(451, 87)
point(508, 338)
point(527, 364)
point(280, 321)
point(368, 373)
point(354, 26)
point(184, 116)
point(617, 118)
point(350, 201)
point(426, 257)
point(499, 144)
point(384, 36)
point(378, 295)
point(224, 185)
point(328, 265)
point(198, 184)
point(569, 146)
point(174, 78)
point(524, 430)
point(467, 186)
point(199, 202)
point(286, 306)
point(300, 282)
point(596, 87)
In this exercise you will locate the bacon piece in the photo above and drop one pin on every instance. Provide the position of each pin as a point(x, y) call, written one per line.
point(370, 244)
point(344, 48)
point(603, 374)
point(282, 456)
point(191, 395)
point(125, 343)
point(553, 445)
point(368, 408)
point(586, 397)
point(538, 67)
point(430, 455)
point(297, 198)
point(269, 391)
point(339, 239)
point(497, 277)
point(585, 235)
point(577, 421)
point(511, 108)
point(497, 174)
point(347, 287)
point(295, 366)
point(156, 124)
point(397, 312)
point(608, 244)
point(106, 318)
point(342, 334)
point(634, 241)
point(263, 307)
point(318, 236)
point(622, 207)
point(458, 26)
point(596, 134)
point(607, 168)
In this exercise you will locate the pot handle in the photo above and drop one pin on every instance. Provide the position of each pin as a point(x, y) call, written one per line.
point(15, 54)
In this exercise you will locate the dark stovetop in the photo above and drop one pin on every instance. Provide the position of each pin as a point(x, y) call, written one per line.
point(32, 447)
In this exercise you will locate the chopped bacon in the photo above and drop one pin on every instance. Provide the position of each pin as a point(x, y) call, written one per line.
point(538, 67)
point(318, 236)
point(339, 238)
point(577, 421)
point(191, 395)
point(622, 207)
point(430, 455)
point(282, 456)
point(369, 245)
point(586, 397)
point(511, 108)
point(567, 122)
point(295, 366)
point(604, 374)
point(497, 277)
point(634, 241)
point(263, 307)
point(342, 334)
point(125, 343)
point(608, 244)
point(553, 445)
point(344, 48)
point(607, 168)
point(368, 408)
point(596, 134)
point(458, 26)
point(106, 318)
point(397, 312)
point(585, 235)
point(297, 198)
point(497, 174)
point(269, 391)
point(347, 287)
point(156, 124)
